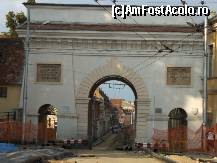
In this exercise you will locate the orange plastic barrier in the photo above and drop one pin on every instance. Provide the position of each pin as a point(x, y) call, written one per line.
point(178, 139)
point(11, 131)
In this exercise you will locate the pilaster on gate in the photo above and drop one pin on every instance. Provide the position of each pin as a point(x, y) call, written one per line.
point(142, 112)
point(82, 109)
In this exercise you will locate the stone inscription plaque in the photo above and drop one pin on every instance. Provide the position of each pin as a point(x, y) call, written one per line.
point(178, 75)
point(48, 72)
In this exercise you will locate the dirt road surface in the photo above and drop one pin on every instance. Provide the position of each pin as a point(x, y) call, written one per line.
point(107, 156)
point(182, 159)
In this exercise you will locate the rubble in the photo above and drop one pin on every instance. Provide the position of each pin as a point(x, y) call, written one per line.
point(35, 155)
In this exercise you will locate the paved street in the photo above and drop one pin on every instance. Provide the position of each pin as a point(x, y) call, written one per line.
point(105, 153)
point(106, 156)
point(110, 141)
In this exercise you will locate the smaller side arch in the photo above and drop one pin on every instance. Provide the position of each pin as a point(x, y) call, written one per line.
point(47, 123)
point(177, 130)
point(178, 113)
point(47, 109)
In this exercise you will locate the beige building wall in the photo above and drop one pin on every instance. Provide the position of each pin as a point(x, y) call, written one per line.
point(12, 100)
point(212, 40)
point(212, 81)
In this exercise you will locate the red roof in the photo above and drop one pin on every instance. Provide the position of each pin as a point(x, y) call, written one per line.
point(11, 60)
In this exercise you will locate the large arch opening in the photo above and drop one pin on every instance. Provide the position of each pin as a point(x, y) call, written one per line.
point(119, 129)
point(113, 69)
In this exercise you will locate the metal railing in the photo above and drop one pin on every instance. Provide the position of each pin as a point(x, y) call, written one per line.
point(7, 116)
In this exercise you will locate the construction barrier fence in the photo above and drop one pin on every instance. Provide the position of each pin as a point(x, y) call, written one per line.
point(178, 139)
point(12, 131)
point(204, 139)
point(17, 132)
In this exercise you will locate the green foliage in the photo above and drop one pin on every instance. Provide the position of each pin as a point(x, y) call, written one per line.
point(13, 20)
point(31, 2)
point(20, 18)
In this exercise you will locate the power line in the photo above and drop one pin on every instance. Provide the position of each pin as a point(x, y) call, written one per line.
point(112, 85)
point(114, 1)
point(184, 2)
point(159, 57)
point(124, 23)
point(159, 51)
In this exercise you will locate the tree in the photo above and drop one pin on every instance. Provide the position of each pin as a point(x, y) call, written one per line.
point(15, 19)
point(31, 2)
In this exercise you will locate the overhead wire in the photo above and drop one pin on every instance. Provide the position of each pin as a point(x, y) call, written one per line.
point(159, 51)
point(165, 46)
point(153, 61)
point(183, 2)
point(124, 24)
point(115, 2)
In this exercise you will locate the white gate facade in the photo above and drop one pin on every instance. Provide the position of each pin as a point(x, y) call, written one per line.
point(89, 44)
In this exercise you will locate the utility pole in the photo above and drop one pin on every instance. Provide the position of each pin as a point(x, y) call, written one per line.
point(25, 75)
point(205, 96)
point(205, 72)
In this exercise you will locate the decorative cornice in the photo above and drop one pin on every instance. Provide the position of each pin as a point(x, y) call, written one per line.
point(114, 35)
point(113, 45)
point(110, 27)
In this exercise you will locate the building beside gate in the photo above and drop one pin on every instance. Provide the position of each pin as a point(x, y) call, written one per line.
point(11, 71)
point(125, 110)
point(212, 69)
point(75, 48)
point(101, 114)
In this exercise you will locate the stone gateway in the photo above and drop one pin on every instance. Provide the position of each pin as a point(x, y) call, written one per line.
point(73, 48)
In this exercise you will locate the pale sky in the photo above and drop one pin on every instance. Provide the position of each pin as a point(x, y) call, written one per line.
point(16, 5)
point(115, 91)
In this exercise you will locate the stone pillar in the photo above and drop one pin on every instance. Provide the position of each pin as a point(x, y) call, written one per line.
point(82, 109)
point(143, 109)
